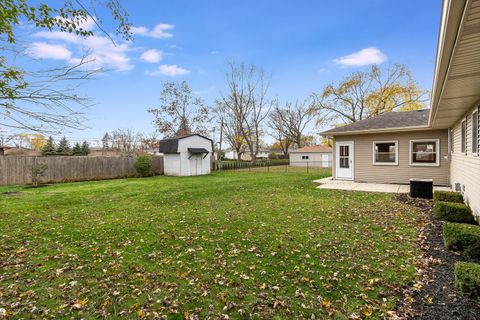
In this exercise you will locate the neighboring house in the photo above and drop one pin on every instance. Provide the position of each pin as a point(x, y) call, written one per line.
point(188, 155)
point(441, 143)
point(230, 154)
point(312, 156)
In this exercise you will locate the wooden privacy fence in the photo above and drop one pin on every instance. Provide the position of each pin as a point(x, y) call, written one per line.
point(18, 169)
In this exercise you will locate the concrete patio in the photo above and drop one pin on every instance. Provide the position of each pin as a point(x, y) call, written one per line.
point(329, 183)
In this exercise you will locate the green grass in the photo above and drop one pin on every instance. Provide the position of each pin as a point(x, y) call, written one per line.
point(243, 244)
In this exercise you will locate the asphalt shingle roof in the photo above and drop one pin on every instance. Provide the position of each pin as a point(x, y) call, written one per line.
point(387, 120)
point(308, 149)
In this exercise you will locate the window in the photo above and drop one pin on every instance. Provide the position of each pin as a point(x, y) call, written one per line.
point(425, 152)
point(304, 157)
point(385, 152)
point(463, 136)
point(475, 133)
point(450, 141)
point(344, 157)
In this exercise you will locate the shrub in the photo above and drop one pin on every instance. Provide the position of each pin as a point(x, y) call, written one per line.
point(143, 165)
point(467, 278)
point(38, 171)
point(462, 237)
point(448, 196)
point(453, 212)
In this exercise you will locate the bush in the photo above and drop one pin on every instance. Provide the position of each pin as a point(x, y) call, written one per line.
point(467, 278)
point(448, 196)
point(143, 165)
point(453, 212)
point(462, 237)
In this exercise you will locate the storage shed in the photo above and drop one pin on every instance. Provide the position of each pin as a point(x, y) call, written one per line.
point(312, 156)
point(187, 155)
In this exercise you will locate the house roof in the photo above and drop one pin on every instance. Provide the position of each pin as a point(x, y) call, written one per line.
point(313, 149)
point(170, 145)
point(390, 121)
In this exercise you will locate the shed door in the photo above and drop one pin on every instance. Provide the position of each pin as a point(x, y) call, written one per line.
point(196, 165)
point(324, 160)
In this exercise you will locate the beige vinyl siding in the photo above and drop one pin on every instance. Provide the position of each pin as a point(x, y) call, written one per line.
point(465, 168)
point(366, 171)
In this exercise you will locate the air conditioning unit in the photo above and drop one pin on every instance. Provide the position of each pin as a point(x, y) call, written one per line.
point(421, 188)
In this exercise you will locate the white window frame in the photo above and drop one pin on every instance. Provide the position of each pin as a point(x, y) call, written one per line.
point(475, 154)
point(463, 136)
point(375, 163)
point(419, 164)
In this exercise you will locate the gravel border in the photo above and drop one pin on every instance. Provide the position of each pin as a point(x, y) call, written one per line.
point(434, 296)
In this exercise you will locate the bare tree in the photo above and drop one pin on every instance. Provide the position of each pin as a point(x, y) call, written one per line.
point(124, 140)
point(246, 103)
point(231, 130)
point(45, 100)
point(278, 130)
point(180, 112)
point(290, 120)
point(366, 94)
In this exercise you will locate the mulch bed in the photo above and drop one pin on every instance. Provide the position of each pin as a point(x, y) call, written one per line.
point(434, 296)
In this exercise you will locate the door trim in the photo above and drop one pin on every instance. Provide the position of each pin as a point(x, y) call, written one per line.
point(352, 158)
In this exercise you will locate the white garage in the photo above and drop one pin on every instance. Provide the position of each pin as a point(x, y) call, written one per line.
point(186, 155)
point(312, 156)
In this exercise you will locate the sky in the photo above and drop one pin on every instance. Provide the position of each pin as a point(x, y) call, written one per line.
point(303, 45)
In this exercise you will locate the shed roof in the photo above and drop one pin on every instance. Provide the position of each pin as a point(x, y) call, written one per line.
point(170, 145)
point(390, 120)
point(313, 149)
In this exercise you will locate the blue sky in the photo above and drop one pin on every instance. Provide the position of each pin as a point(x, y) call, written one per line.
point(300, 43)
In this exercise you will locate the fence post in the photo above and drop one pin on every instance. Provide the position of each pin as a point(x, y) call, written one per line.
point(307, 165)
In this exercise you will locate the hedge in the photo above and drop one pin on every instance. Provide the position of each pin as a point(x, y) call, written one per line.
point(462, 237)
point(448, 196)
point(453, 212)
point(467, 278)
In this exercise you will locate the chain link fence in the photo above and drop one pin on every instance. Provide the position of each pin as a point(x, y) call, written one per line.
point(273, 165)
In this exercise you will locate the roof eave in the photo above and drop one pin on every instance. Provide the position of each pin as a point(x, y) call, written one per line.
point(453, 13)
point(370, 131)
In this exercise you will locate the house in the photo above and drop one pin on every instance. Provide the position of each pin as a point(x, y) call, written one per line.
point(440, 143)
point(312, 156)
point(230, 154)
point(188, 155)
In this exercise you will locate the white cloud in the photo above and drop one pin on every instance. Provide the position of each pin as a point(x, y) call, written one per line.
point(160, 31)
point(101, 51)
point(363, 57)
point(214, 52)
point(152, 56)
point(43, 50)
point(171, 70)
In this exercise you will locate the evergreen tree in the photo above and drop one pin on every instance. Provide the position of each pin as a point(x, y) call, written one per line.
point(49, 147)
point(105, 141)
point(63, 147)
point(85, 148)
point(77, 149)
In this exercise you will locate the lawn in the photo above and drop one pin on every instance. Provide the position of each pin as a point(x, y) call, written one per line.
point(230, 245)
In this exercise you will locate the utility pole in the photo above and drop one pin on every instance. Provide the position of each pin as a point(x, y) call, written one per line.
point(220, 145)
